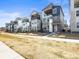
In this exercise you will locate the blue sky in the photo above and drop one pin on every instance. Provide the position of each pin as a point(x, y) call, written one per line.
point(10, 9)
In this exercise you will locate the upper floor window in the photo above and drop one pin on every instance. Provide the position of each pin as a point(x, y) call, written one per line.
point(78, 25)
point(48, 20)
point(77, 13)
point(44, 19)
point(54, 10)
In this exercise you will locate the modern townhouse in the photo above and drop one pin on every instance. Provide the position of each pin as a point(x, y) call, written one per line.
point(35, 21)
point(46, 24)
point(18, 26)
point(11, 26)
point(74, 12)
point(15, 24)
point(52, 18)
point(8, 27)
point(26, 26)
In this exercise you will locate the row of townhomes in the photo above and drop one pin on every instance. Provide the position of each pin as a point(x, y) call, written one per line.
point(50, 19)
point(74, 12)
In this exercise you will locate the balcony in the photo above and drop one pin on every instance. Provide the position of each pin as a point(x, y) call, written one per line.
point(56, 21)
point(76, 3)
point(48, 11)
point(35, 16)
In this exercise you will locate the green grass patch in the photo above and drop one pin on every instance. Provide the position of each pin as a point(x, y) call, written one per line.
point(66, 35)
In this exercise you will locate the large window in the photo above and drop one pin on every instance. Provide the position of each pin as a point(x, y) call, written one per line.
point(54, 10)
point(77, 13)
point(77, 24)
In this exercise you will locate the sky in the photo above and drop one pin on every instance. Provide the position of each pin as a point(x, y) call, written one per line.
point(10, 9)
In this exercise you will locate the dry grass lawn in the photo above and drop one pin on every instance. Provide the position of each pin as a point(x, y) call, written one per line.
point(33, 48)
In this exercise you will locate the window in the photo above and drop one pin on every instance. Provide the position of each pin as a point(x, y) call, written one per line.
point(78, 25)
point(44, 19)
point(76, 5)
point(55, 17)
point(35, 22)
point(48, 20)
point(32, 23)
point(44, 15)
point(77, 13)
point(54, 11)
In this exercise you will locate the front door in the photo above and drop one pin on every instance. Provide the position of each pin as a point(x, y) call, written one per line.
point(55, 28)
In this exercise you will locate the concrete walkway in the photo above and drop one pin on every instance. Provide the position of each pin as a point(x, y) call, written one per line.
point(49, 38)
point(45, 38)
point(7, 53)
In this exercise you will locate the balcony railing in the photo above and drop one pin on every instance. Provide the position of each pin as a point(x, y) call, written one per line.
point(56, 21)
point(48, 11)
point(76, 5)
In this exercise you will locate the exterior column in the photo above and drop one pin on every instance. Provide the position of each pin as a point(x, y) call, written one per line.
point(50, 25)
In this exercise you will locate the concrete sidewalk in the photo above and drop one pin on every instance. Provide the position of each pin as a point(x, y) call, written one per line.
point(49, 38)
point(45, 38)
point(7, 53)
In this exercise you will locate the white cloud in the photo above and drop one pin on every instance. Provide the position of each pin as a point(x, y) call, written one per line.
point(7, 17)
